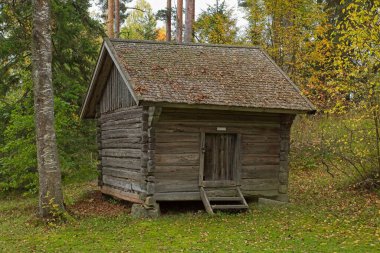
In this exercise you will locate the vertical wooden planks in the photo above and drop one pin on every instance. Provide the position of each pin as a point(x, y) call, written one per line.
point(237, 161)
point(220, 156)
point(116, 94)
point(202, 157)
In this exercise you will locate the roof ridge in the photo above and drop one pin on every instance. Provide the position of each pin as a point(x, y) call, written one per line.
point(173, 43)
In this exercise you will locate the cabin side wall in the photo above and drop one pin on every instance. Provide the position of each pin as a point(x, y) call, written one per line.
point(121, 128)
point(264, 149)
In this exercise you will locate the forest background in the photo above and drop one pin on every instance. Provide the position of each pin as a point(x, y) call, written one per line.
point(329, 48)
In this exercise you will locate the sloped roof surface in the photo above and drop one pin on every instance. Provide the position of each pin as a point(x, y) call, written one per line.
point(207, 74)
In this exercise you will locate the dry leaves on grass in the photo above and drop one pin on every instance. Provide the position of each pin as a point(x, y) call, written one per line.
point(95, 204)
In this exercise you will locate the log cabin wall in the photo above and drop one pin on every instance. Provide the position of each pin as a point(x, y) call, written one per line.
point(120, 132)
point(286, 123)
point(177, 151)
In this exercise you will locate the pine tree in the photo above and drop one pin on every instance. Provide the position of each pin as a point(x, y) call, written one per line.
point(216, 25)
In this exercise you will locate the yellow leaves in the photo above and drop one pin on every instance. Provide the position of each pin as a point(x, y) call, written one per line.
point(161, 34)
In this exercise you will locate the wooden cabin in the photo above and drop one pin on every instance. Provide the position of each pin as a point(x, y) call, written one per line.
point(181, 122)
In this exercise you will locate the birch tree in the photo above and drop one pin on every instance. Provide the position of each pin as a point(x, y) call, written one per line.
point(50, 190)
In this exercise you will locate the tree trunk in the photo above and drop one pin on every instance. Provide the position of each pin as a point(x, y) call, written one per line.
point(193, 11)
point(117, 18)
point(189, 20)
point(179, 20)
point(110, 19)
point(168, 20)
point(50, 195)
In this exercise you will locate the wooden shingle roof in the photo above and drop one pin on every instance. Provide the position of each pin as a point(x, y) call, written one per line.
point(202, 74)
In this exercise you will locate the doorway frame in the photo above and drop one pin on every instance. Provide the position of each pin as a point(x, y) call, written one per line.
point(237, 164)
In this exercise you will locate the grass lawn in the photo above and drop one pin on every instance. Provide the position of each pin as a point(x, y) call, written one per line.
point(322, 217)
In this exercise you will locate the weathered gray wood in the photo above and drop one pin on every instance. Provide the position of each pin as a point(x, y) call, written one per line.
point(177, 147)
point(211, 127)
point(122, 133)
point(175, 169)
point(237, 161)
point(192, 196)
point(286, 123)
point(116, 94)
point(128, 143)
point(261, 139)
point(99, 144)
point(225, 207)
point(202, 150)
point(261, 148)
point(240, 194)
point(218, 183)
point(177, 196)
point(187, 175)
point(102, 70)
point(206, 201)
point(223, 108)
point(169, 114)
point(154, 115)
point(127, 163)
point(221, 192)
point(122, 173)
point(122, 122)
point(173, 137)
point(224, 198)
point(132, 197)
point(177, 159)
point(117, 125)
point(124, 184)
point(220, 156)
point(173, 109)
point(260, 171)
point(121, 153)
point(122, 114)
point(176, 185)
point(249, 159)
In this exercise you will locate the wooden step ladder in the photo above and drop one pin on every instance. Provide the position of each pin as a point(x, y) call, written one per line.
point(234, 202)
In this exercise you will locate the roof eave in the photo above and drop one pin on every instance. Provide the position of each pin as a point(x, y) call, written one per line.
point(313, 109)
point(226, 107)
point(90, 89)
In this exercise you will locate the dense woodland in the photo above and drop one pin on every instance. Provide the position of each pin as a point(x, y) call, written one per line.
point(329, 48)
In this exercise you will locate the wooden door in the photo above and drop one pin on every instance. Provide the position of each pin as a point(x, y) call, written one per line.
point(220, 158)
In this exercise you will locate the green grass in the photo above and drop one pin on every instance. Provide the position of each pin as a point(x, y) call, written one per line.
point(321, 218)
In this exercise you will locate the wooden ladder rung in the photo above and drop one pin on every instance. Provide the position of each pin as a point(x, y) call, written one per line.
point(206, 201)
point(229, 207)
point(210, 208)
point(225, 199)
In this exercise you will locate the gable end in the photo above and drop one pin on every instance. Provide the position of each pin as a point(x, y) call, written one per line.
point(108, 67)
point(116, 94)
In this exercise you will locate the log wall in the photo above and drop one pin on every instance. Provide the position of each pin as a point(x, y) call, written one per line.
point(177, 151)
point(121, 150)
